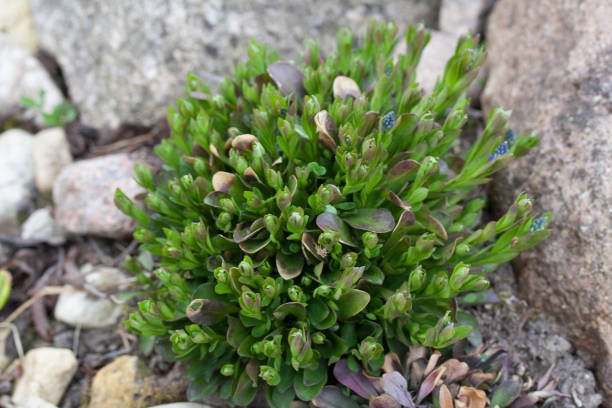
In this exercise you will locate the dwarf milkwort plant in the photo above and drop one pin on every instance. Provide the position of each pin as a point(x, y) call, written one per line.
point(317, 211)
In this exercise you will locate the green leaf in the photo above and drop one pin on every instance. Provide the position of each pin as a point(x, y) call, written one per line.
point(505, 394)
point(307, 392)
point(317, 169)
point(292, 308)
point(378, 220)
point(278, 398)
point(245, 392)
point(327, 221)
point(352, 302)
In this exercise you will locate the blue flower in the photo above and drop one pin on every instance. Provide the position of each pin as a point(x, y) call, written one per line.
point(500, 150)
point(388, 120)
point(388, 69)
point(509, 137)
point(539, 224)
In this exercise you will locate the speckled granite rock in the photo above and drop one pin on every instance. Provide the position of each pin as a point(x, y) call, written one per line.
point(551, 61)
point(84, 191)
point(127, 61)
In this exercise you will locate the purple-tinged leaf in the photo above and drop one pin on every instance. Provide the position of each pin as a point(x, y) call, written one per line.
point(355, 380)
point(455, 370)
point(243, 142)
point(332, 397)
point(214, 199)
point(310, 249)
point(287, 77)
point(289, 266)
point(384, 401)
point(199, 95)
point(396, 386)
point(331, 222)
point(223, 181)
point(208, 312)
point(403, 168)
point(395, 199)
point(253, 246)
point(327, 130)
point(344, 86)
point(378, 220)
point(429, 383)
point(392, 363)
point(247, 229)
point(446, 400)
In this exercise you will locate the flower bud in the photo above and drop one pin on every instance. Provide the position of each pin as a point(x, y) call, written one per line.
point(296, 221)
point(459, 275)
point(477, 284)
point(327, 239)
point(227, 204)
point(325, 195)
point(302, 174)
point(274, 179)
point(398, 304)
point(269, 288)
point(318, 338)
point(180, 341)
point(369, 239)
point(295, 293)
point(369, 349)
point(246, 266)
point(272, 223)
point(198, 335)
point(524, 205)
point(368, 149)
point(348, 159)
point(463, 249)
point(348, 260)
point(227, 370)
point(250, 302)
point(417, 279)
point(283, 199)
point(221, 275)
point(323, 291)
point(269, 375)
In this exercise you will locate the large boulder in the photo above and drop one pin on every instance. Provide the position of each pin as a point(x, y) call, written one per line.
point(551, 60)
point(126, 61)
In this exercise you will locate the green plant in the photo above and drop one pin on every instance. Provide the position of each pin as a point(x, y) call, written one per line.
point(6, 279)
point(62, 114)
point(320, 211)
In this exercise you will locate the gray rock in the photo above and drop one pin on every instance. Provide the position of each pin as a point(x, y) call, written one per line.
point(23, 76)
point(47, 371)
point(127, 61)
point(40, 225)
point(35, 402)
point(16, 21)
point(16, 169)
point(84, 191)
point(80, 308)
point(51, 152)
point(551, 62)
point(459, 16)
point(440, 48)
